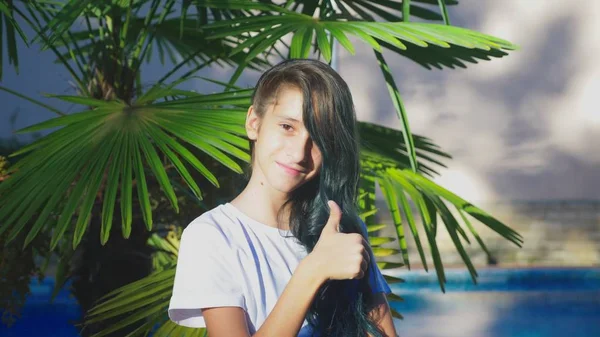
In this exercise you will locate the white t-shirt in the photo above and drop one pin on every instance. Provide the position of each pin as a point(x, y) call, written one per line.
point(228, 259)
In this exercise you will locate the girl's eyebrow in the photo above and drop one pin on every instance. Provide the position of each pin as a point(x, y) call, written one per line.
point(291, 119)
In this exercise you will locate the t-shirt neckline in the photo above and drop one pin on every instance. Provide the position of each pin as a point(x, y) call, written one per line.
point(255, 223)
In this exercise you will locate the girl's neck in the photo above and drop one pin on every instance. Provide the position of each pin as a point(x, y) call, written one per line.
point(262, 203)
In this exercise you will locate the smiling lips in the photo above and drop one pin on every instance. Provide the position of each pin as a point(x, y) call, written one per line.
point(289, 170)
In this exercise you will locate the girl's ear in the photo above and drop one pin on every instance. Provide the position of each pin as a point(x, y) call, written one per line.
point(252, 123)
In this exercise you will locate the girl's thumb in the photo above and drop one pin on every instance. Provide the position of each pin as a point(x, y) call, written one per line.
point(335, 215)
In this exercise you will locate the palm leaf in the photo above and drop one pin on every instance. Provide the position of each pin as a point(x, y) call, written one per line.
point(388, 10)
point(430, 199)
point(147, 299)
point(268, 29)
point(385, 147)
point(384, 160)
point(439, 57)
point(390, 197)
point(7, 21)
point(444, 11)
point(72, 161)
point(450, 44)
point(395, 33)
point(179, 38)
point(64, 19)
point(399, 107)
point(32, 100)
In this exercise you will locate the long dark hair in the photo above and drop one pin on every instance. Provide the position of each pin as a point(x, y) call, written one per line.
point(340, 308)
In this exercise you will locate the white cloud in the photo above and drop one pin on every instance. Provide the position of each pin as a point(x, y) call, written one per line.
point(575, 117)
point(465, 182)
point(524, 23)
point(527, 117)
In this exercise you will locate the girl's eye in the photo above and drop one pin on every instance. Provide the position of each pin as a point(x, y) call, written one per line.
point(286, 127)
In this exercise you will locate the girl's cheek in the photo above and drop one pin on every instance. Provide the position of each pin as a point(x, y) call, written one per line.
point(270, 137)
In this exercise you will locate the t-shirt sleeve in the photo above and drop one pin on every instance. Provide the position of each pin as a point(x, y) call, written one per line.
point(376, 279)
point(206, 275)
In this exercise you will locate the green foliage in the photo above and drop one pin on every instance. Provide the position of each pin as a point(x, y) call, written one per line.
point(173, 145)
point(116, 139)
point(147, 300)
point(18, 267)
point(8, 22)
point(3, 168)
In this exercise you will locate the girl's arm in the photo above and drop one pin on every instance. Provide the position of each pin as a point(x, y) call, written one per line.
point(285, 319)
point(336, 256)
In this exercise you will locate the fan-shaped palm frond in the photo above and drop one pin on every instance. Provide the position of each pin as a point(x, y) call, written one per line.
point(146, 300)
point(104, 57)
point(109, 149)
point(439, 57)
point(7, 21)
point(265, 30)
point(407, 193)
point(150, 12)
point(383, 147)
point(175, 40)
point(385, 162)
point(388, 10)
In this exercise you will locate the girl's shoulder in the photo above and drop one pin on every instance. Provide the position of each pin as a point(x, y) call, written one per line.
point(227, 224)
point(216, 222)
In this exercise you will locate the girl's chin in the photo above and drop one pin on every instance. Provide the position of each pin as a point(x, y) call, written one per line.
point(287, 185)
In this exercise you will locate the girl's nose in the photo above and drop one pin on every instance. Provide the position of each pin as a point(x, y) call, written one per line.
point(300, 149)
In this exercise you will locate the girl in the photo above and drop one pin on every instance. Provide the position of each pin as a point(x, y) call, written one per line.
point(288, 256)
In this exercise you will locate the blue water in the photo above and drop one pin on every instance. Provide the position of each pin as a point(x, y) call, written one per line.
point(519, 302)
point(40, 318)
point(506, 303)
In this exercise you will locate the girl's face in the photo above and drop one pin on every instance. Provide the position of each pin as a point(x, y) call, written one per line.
point(284, 155)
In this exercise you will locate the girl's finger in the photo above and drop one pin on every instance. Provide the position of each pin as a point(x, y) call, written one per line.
point(364, 265)
point(366, 254)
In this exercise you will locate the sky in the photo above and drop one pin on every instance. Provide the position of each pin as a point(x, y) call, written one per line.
point(523, 127)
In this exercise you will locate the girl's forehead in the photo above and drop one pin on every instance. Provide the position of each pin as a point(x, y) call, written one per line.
point(288, 95)
point(288, 104)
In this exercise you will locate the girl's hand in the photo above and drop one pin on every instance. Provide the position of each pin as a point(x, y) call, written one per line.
point(340, 256)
